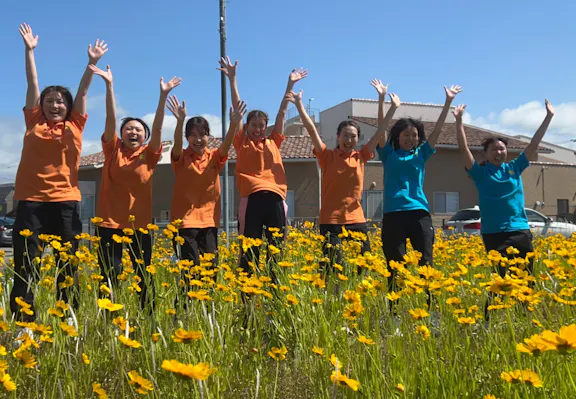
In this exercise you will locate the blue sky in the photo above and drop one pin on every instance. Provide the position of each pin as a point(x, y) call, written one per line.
point(508, 56)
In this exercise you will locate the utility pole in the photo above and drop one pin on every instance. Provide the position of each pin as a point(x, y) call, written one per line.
point(224, 109)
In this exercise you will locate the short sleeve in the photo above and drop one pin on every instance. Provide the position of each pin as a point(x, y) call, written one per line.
point(218, 159)
point(520, 164)
point(366, 154)
point(33, 116)
point(177, 163)
point(475, 172)
point(277, 137)
point(239, 138)
point(152, 157)
point(321, 156)
point(426, 151)
point(78, 120)
point(383, 152)
point(109, 147)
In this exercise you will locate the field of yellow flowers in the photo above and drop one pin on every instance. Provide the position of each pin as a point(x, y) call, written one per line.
point(303, 334)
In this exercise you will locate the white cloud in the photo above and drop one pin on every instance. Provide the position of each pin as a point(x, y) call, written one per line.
point(170, 124)
point(11, 139)
point(96, 104)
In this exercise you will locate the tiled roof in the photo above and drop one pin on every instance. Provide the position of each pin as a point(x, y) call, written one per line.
point(294, 147)
point(474, 135)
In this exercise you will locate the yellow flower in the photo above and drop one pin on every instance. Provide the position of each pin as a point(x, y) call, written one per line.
point(318, 351)
point(108, 305)
point(155, 337)
point(3, 350)
point(533, 345)
point(131, 218)
point(340, 379)
point(466, 320)
point(85, 358)
point(26, 358)
point(9, 385)
point(489, 396)
point(278, 353)
point(200, 371)
point(317, 301)
point(364, 340)
point(128, 231)
point(143, 386)
point(70, 330)
point(453, 301)
point(418, 313)
point(526, 376)
point(152, 227)
point(129, 342)
point(24, 307)
point(183, 336)
point(342, 277)
point(353, 310)
point(170, 312)
point(98, 390)
point(26, 233)
point(423, 331)
point(55, 312)
point(393, 296)
point(96, 220)
point(292, 299)
point(400, 388)
point(335, 361)
point(563, 342)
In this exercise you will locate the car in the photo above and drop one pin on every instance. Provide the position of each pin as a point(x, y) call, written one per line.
point(6, 231)
point(467, 221)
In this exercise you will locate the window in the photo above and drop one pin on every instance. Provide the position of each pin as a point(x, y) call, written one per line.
point(164, 215)
point(290, 203)
point(446, 202)
point(563, 207)
point(466, 214)
point(535, 217)
point(372, 203)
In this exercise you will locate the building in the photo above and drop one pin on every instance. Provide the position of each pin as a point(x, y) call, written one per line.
point(447, 185)
point(6, 198)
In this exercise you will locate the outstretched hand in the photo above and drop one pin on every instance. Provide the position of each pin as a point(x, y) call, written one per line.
point(380, 87)
point(549, 108)
point(237, 113)
point(177, 109)
point(227, 67)
point(294, 97)
point(297, 74)
point(30, 40)
point(165, 88)
point(106, 75)
point(452, 91)
point(459, 112)
point(395, 100)
point(95, 53)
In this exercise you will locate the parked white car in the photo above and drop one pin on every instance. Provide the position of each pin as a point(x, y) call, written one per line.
point(467, 221)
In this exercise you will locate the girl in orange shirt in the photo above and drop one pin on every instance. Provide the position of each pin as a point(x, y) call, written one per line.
point(47, 179)
point(196, 196)
point(343, 177)
point(125, 199)
point(260, 172)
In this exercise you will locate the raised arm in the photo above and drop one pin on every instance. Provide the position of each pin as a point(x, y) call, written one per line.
point(94, 54)
point(31, 41)
point(110, 127)
point(165, 88)
point(294, 77)
point(450, 94)
point(532, 148)
point(382, 90)
point(229, 70)
point(467, 157)
point(380, 137)
point(296, 98)
point(179, 111)
point(236, 115)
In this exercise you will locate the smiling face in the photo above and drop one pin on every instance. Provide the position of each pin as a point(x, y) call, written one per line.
point(408, 138)
point(133, 134)
point(197, 140)
point(55, 107)
point(496, 153)
point(256, 128)
point(348, 138)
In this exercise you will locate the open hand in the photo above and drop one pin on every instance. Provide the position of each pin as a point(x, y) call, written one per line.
point(177, 109)
point(238, 112)
point(30, 40)
point(165, 88)
point(227, 67)
point(106, 75)
point(380, 87)
point(452, 91)
point(297, 74)
point(459, 112)
point(395, 100)
point(96, 52)
point(294, 97)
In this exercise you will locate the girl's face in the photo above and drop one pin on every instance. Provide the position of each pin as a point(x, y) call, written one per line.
point(348, 138)
point(197, 140)
point(408, 138)
point(496, 153)
point(257, 128)
point(133, 135)
point(55, 107)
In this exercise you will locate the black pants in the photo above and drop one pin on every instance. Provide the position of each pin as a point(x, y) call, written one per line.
point(332, 246)
point(521, 240)
point(197, 242)
point(110, 260)
point(399, 226)
point(57, 218)
point(263, 210)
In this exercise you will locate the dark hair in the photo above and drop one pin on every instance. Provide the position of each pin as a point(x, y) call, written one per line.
point(403, 124)
point(490, 140)
point(257, 114)
point(64, 92)
point(200, 122)
point(130, 119)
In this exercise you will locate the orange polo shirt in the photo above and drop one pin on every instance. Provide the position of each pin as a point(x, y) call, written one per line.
point(126, 187)
point(259, 164)
point(48, 170)
point(196, 196)
point(342, 185)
